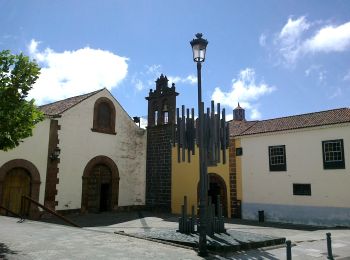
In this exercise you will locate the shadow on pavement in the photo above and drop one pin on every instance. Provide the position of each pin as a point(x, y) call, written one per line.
point(111, 218)
point(5, 251)
point(280, 225)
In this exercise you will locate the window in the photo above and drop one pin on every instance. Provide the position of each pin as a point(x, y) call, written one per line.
point(301, 189)
point(165, 113)
point(104, 116)
point(156, 117)
point(277, 158)
point(239, 151)
point(166, 117)
point(333, 154)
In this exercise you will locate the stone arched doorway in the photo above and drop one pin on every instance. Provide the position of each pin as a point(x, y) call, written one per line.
point(17, 178)
point(100, 185)
point(217, 186)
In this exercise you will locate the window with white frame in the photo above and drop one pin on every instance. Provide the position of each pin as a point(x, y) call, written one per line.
point(277, 158)
point(333, 154)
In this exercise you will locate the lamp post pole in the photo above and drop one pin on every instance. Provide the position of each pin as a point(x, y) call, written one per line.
point(199, 47)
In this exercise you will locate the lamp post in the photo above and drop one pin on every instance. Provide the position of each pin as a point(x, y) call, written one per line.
point(199, 46)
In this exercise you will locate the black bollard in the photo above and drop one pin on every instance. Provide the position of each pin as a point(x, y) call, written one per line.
point(289, 250)
point(329, 246)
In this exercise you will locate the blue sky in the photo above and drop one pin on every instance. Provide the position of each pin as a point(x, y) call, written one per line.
point(277, 58)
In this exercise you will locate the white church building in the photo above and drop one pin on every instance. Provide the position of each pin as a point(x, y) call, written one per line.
point(87, 155)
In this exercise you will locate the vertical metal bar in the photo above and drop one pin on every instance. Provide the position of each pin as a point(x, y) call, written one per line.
point(329, 246)
point(193, 132)
point(188, 135)
point(183, 218)
point(289, 250)
point(202, 248)
point(178, 127)
point(224, 136)
point(218, 132)
point(183, 136)
point(193, 220)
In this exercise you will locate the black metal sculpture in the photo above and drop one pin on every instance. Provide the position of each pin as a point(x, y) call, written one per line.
point(215, 143)
point(215, 134)
point(186, 224)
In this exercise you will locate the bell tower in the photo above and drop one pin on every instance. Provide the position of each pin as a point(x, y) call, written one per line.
point(160, 132)
point(162, 103)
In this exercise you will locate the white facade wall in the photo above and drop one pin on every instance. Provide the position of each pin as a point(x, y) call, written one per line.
point(329, 203)
point(35, 150)
point(79, 145)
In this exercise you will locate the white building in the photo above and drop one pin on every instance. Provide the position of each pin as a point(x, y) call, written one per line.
point(101, 165)
point(296, 169)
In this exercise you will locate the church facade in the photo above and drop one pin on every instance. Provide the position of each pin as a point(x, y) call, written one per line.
point(87, 155)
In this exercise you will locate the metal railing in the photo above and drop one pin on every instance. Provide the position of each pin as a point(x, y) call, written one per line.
point(24, 210)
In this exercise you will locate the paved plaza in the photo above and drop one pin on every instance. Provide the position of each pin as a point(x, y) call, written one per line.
point(97, 240)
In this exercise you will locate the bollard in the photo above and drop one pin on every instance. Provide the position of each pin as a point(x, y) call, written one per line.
point(289, 250)
point(329, 246)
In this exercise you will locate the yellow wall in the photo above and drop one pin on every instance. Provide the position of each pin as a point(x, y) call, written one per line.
point(185, 178)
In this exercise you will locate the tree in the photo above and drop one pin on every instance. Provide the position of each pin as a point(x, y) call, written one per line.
point(17, 115)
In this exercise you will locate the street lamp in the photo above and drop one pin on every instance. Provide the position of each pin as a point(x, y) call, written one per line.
point(199, 46)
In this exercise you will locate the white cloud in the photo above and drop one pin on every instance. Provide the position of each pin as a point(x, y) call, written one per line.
point(289, 39)
point(143, 122)
point(149, 75)
point(70, 73)
point(294, 40)
point(138, 84)
point(255, 114)
point(244, 90)
point(153, 69)
point(190, 79)
point(262, 40)
point(229, 117)
point(293, 29)
point(329, 39)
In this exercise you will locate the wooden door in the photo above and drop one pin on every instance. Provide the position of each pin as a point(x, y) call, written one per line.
point(17, 183)
point(99, 192)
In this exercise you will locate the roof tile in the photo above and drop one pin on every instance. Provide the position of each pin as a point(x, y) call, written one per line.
point(335, 116)
point(58, 107)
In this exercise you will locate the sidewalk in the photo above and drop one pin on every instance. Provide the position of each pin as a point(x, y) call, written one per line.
point(37, 240)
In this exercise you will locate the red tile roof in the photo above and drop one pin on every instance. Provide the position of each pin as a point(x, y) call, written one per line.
point(329, 117)
point(58, 107)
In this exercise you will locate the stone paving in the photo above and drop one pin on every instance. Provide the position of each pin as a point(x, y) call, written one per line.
point(37, 240)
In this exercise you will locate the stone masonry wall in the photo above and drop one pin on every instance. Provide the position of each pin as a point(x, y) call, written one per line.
point(158, 173)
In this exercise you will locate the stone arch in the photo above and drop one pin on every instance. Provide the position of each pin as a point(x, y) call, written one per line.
point(216, 186)
point(34, 180)
point(87, 177)
point(97, 127)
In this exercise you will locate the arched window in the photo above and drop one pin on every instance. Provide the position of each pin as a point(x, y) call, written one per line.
point(104, 116)
point(165, 111)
